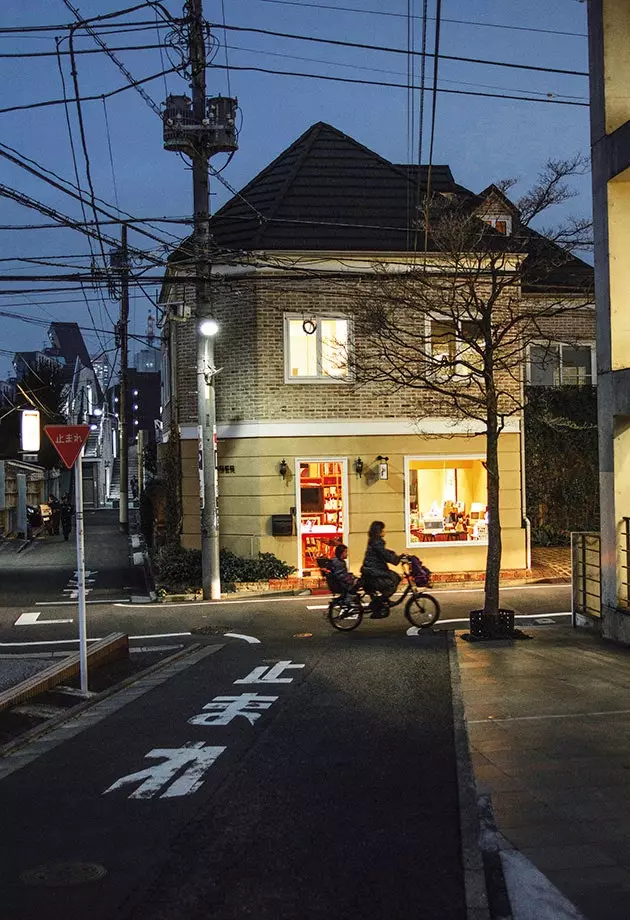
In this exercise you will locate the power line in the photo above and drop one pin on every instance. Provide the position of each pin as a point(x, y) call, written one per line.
point(329, 63)
point(440, 89)
point(108, 95)
point(466, 22)
point(392, 50)
point(110, 54)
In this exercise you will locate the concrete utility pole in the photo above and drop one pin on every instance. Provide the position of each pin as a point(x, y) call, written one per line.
point(208, 480)
point(123, 443)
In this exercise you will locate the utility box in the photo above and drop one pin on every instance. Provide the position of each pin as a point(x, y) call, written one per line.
point(282, 525)
point(215, 134)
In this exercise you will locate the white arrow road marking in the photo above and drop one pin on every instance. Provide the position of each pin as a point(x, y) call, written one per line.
point(32, 619)
point(194, 756)
point(250, 639)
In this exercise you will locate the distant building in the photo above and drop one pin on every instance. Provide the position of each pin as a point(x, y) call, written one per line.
point(148, 359)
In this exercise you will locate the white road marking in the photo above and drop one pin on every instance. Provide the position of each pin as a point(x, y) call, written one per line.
point(194, 756)
point(118, 601)
point(560, 715)
point(517, 616)
point(296, 597)
point(32, 619)
point(94, 639)
point(251, 639)
point(318, 607)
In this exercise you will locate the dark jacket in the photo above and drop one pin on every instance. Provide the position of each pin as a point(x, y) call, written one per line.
point(377, 576)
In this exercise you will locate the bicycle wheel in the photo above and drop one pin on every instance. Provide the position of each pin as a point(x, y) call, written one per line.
point(344, 616)
point(422, 610)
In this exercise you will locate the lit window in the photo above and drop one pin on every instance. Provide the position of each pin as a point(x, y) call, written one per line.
point(501, 224)
point(555, 364)
point(322, 355)
point(446, 500)
point(453, 350)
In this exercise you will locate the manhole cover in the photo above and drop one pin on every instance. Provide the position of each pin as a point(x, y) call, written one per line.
point(62, 874)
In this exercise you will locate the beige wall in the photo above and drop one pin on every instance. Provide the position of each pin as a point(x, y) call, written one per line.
point(255, 491)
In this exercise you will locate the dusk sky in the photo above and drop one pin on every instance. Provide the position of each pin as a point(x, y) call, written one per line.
point(481, 137)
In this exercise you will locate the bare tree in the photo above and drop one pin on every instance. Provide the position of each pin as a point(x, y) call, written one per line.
point(455, 326)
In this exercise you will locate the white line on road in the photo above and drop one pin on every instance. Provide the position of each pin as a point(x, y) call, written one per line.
point(551, 715)
point(124, 602)
point(32, 619)
point(250, 639)
point(105, 600)
point(95, 639)
point(317, 607)
point(517, 616)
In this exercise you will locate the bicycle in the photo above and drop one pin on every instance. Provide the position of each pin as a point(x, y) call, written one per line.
point(346, 612)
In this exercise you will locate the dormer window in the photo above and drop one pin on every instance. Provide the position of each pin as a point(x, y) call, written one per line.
point(502, 224)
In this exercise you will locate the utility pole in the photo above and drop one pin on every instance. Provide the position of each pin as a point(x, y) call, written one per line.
point(207, 429)
point(201, 130)
point(123, 442)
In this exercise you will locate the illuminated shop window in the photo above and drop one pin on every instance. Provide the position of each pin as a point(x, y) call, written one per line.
point(321, 355)
point(446, 500)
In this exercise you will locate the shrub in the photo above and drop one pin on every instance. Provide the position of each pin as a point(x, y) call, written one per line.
point(547, 535)
point(180, 569)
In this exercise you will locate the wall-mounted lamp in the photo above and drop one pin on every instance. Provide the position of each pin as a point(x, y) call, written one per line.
point(383, 469)
point(283, 469)
point(358, 467)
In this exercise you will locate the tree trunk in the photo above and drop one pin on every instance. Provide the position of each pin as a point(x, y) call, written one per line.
point(493, 559)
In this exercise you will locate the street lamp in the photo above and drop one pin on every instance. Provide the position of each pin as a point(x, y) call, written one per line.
point(208, 480)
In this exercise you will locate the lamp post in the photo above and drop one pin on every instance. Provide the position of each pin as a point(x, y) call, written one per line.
point(208, 481)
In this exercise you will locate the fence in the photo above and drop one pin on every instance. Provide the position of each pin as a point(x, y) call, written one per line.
point(586, 571)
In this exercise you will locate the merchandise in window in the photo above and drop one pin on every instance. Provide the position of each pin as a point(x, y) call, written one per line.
point(447, 501)
point(556, 365)
point(319, 354)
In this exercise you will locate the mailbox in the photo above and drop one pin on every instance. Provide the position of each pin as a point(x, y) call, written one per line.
point(282, 525)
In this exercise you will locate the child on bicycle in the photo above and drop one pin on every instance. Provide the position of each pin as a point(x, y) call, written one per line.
point(340, 580)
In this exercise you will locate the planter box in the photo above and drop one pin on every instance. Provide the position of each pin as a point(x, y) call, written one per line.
point(494, 627)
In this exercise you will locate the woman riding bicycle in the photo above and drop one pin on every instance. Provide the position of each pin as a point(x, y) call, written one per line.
point(378, 579)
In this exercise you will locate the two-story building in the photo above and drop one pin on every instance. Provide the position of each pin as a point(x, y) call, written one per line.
point(308, 454)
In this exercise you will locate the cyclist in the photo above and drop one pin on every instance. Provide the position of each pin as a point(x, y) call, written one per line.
point(378, 579)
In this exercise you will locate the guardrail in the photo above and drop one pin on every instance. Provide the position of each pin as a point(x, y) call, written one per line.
point(586, 575)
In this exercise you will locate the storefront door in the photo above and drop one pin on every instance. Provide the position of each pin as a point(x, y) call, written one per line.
point(322, 512)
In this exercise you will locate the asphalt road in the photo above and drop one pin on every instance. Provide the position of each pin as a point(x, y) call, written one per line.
point(333, 793)
point(277, 617)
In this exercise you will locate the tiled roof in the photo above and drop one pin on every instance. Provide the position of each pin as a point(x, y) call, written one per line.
point(326, 191)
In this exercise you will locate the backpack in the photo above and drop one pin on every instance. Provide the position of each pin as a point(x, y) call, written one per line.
point(420, 573)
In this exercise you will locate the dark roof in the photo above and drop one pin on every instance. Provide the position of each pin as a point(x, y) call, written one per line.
point(326, 191)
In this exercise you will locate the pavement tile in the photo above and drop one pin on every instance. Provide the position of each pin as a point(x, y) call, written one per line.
point(569, 856)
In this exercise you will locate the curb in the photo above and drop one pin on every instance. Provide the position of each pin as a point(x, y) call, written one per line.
point(37, 731)
point(475, 870)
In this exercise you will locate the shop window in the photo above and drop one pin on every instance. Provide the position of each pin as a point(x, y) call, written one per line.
point(555, 364)
point(321, 510)
point(446, 500)
point(317, 355)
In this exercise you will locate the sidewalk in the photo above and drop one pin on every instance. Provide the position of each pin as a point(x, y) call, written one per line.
point(549, 728)
point(42, 569)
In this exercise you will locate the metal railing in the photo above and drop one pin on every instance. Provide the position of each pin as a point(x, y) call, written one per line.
point(586, 575)
point(623, 591)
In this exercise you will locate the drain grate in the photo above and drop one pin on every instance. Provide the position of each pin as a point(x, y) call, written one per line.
point(63, 874)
